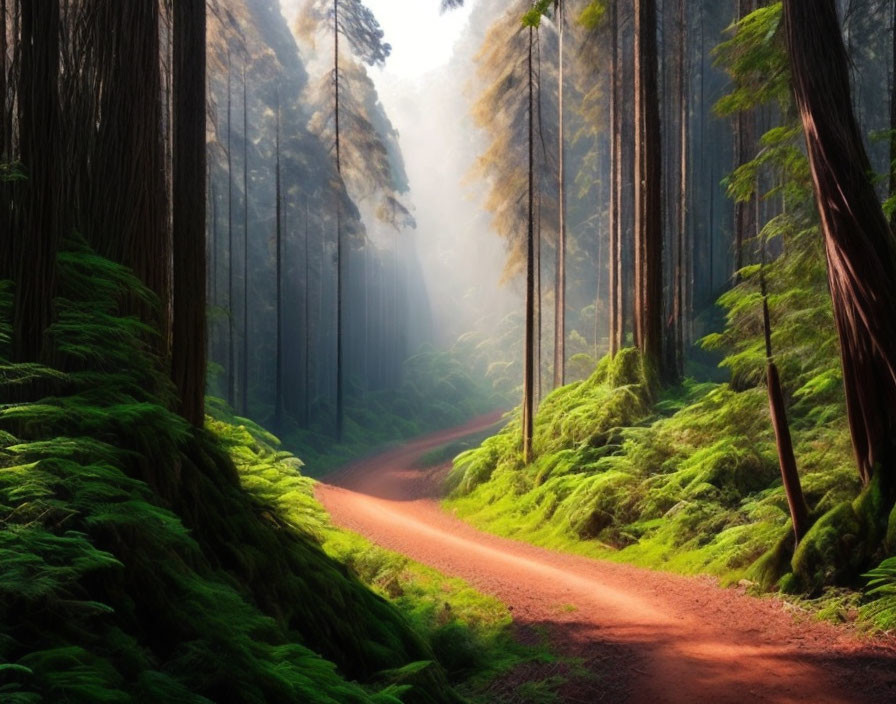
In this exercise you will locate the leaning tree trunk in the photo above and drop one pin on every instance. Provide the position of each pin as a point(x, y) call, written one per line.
point(859, 244)
point(188, 352)
point(790, 477)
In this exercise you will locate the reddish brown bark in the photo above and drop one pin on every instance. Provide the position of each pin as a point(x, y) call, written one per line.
point(188, 352)
point(38, 225)
point(860, 247)
point(648, 189)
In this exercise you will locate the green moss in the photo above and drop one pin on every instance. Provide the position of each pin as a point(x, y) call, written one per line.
point(890, 543)
point(831, 551)
point(774, 565)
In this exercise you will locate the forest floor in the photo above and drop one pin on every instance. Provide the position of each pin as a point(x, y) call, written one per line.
point(639, 635)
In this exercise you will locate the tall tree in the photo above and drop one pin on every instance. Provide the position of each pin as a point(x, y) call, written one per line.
point(358, 25)
point(231, 307)
point(278, 376)
point(5, 122)
point(38, 198)
point(126, 213)
point(189, 334)
point(560, 277)
point(616, 278)
point(860, 247)
point(745, 144)
point(244, 366)
point(680, 287)
point(529, 342)
point(648, 188)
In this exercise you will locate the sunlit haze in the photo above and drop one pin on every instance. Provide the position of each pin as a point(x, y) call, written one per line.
point(421, 36)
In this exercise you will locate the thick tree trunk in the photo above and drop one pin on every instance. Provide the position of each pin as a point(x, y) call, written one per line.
point(648, 189)
point(127, 212)
point(189, 335)
point(38, 227)
point(560, 284)
point(860, 246)
point(529, 349)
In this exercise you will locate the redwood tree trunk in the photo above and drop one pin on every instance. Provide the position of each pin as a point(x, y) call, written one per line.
point(127, 213)
point(648, 189)
point(189, 335)
point(860, 247)
point(31, 248)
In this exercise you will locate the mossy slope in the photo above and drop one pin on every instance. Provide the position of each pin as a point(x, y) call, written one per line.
point(133, 564)
point(688, 481)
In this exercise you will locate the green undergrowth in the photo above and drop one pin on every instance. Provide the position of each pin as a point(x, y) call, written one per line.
point(686, 480)
point(141, 560)
point(468, 632)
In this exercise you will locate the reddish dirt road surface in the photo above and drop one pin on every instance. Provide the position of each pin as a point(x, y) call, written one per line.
point(645, 636)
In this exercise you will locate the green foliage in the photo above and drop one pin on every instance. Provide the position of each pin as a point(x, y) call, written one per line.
point(11, 172)
point(688, 478)
point(881, 611)
point(593, 14)
point(688, 481)
point(133, 566)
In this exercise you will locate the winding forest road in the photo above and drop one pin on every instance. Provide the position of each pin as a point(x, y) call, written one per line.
point(645, 636)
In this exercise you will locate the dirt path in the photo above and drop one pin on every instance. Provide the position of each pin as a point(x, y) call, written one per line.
point(647, 636)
